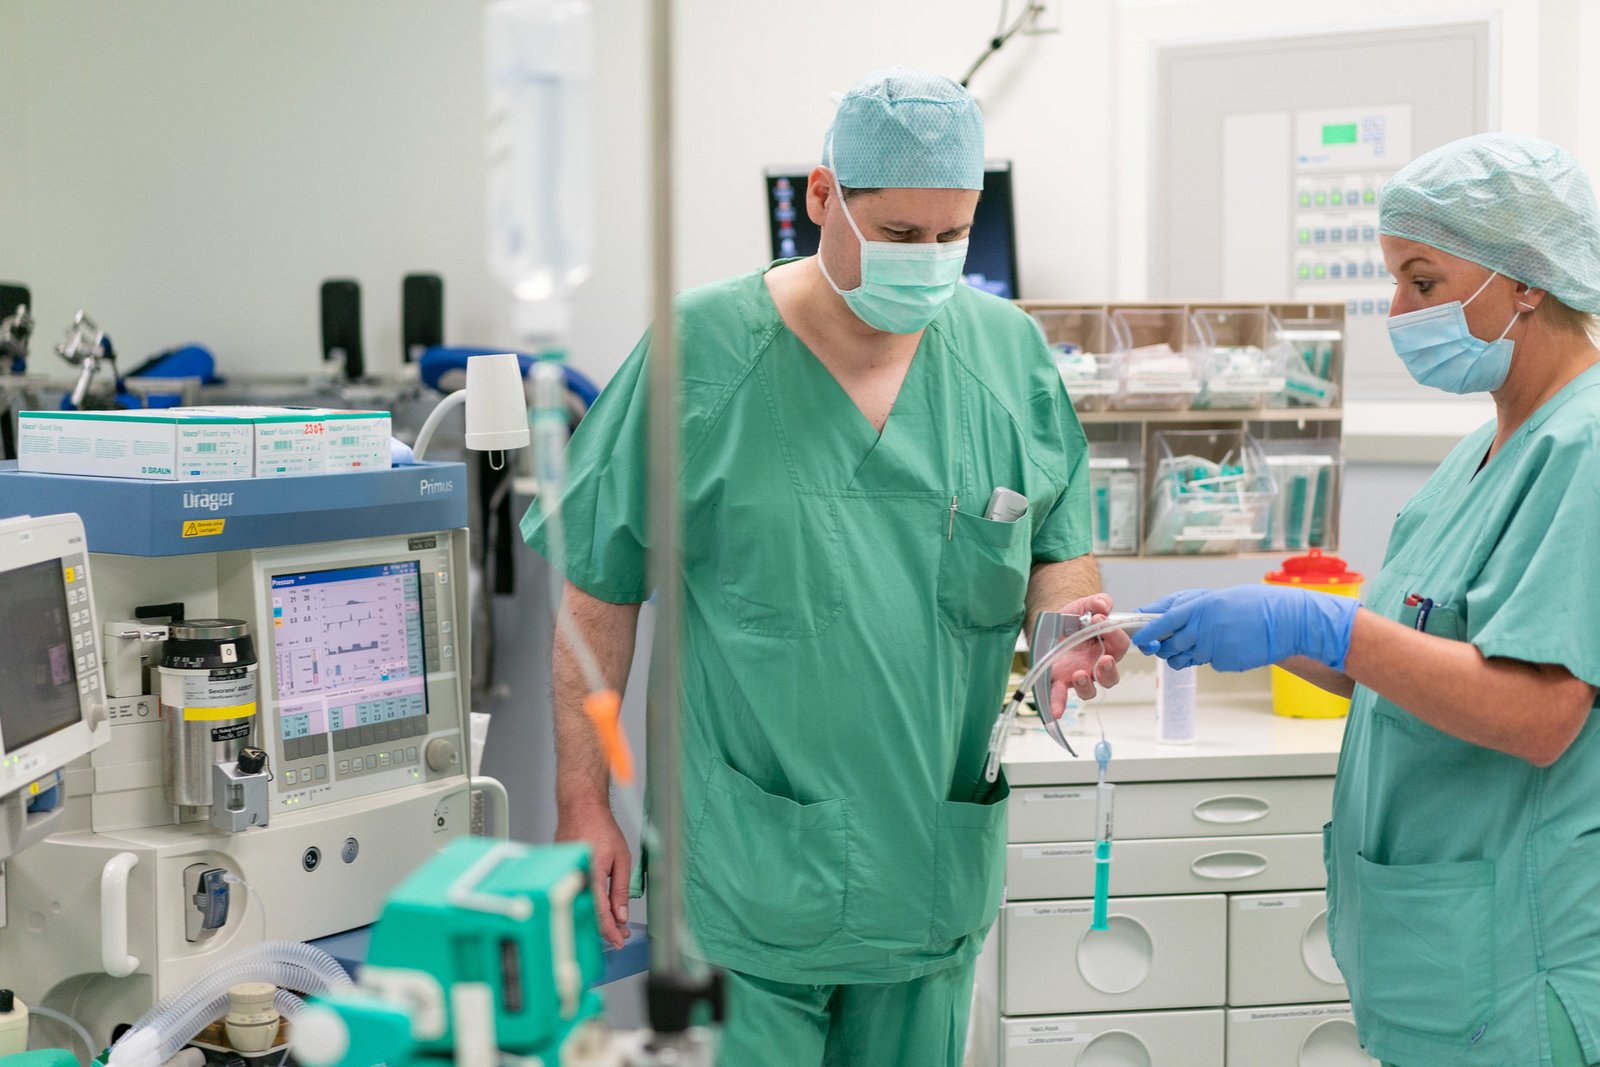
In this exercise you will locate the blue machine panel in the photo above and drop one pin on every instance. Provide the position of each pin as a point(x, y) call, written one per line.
point(134, 518)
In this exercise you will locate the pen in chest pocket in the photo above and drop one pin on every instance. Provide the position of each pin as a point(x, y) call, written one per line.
point(1424, 606)
point(1005, 505)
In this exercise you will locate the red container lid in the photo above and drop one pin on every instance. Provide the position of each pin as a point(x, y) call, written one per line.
point(1314, 568)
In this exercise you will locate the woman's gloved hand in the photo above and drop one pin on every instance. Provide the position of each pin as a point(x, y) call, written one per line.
point(1248, 626)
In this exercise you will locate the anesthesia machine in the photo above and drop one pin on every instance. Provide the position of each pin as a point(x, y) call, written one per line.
point(283, 704)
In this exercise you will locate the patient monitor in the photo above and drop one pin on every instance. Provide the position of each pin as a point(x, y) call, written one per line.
point(52, 702)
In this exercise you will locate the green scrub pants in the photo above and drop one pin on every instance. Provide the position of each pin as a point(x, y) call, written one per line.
point(921, 1023)
point(1564, 1048)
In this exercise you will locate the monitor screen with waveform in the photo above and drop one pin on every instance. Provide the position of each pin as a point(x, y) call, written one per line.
point(348, 648)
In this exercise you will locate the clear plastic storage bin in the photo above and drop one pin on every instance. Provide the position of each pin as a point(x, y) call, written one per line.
point(1116, 474)
point(1212, 492)
point(1242, 361)
point(1311, 347)
point(1159, 372)
point(1304, 514)
point(1082, 343)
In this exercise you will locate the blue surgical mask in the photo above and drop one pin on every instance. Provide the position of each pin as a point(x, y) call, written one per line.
point(903, 285)
point(1440, 352)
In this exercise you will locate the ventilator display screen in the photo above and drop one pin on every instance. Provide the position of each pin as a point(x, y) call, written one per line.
point(991, 251)
point(38, 672)
point(348, 647)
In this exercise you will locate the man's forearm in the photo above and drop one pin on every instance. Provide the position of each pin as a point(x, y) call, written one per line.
point(1052, 585)
point(582, 778)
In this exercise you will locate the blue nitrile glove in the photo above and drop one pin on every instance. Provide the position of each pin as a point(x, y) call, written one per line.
point(1248, 626)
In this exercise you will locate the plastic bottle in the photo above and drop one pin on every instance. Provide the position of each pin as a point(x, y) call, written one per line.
point(537, 66)
point(1174, 705)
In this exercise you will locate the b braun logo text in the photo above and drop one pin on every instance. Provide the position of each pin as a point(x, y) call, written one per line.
point(429, 487)
point(207, 501)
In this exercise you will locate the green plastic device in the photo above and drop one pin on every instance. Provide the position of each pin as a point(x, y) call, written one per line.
point(489, 940)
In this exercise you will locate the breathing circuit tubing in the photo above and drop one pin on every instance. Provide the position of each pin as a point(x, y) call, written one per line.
point(1104, 790)
point(158, 1034)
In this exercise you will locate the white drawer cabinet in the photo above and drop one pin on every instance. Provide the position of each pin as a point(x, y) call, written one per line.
point(1160, 952)
point(1308, 1035)
point(1178, 865)
point(1176, 809)
point(1278, 950)
point(1217, 952)
point(1145, 1039)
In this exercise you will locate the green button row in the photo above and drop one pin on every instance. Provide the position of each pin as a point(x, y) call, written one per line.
point(1336, 198)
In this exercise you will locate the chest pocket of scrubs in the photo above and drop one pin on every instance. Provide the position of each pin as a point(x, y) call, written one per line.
point(983, 572)
point(779, 564)
point(1441, 621)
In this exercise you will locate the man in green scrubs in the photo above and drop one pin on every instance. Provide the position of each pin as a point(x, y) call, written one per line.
point(850, 610)
point(1464, 852)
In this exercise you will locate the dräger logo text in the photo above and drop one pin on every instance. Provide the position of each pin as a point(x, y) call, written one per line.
point(429, 487)
point(207, 501)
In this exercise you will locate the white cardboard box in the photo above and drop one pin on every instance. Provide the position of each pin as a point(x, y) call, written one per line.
point(167, 445)
point(311, 440)
point(357, 440)
point(288, 441)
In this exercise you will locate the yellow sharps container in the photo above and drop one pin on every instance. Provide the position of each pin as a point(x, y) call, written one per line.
point(1294, 696)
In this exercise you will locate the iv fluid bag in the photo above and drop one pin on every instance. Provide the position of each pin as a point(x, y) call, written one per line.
point(537, 64)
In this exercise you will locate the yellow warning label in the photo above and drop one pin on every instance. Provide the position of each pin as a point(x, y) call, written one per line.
point(232, 711)
point(203, 527)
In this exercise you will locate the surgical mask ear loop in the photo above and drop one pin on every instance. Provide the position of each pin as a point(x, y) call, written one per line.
point(861, 241)
point(1492, 276)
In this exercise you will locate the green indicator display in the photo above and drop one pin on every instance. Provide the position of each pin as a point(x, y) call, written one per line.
point(1340, 133)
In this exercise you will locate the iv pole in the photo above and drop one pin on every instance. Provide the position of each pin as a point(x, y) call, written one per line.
point(676, 985)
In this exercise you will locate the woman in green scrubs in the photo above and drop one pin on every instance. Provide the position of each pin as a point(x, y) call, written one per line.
point(1464, 853)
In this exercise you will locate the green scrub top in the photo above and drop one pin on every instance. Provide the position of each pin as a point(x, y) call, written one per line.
point(1462, 881)
point(847, 636)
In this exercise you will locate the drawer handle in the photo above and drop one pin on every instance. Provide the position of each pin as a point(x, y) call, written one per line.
point(1232, 810)
point(1226, 866)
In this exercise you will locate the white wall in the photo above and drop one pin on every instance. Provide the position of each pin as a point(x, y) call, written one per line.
point(753, 86)
point(1545, 83)
point(191, 171)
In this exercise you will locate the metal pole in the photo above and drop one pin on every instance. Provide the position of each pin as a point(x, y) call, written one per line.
point(663, 730)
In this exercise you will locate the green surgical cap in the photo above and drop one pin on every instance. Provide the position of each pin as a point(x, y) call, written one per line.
point(1517, 205)
point(905, 129)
